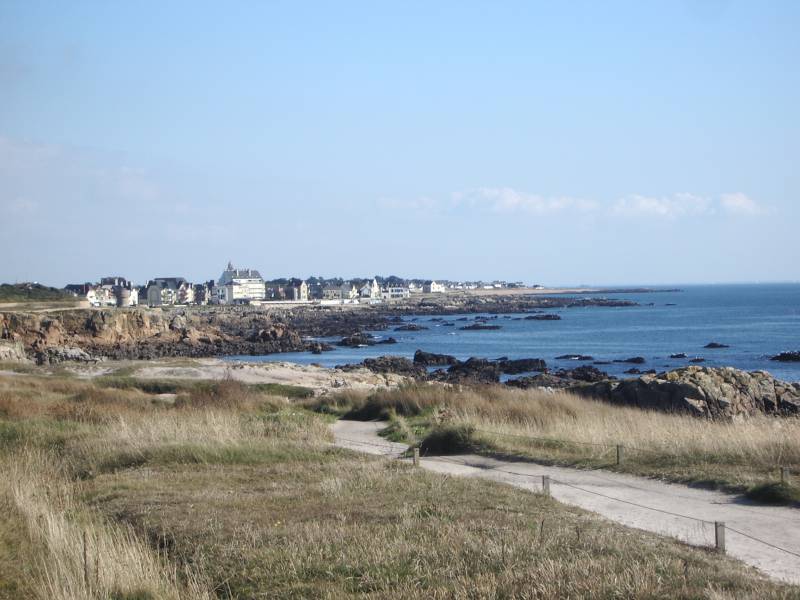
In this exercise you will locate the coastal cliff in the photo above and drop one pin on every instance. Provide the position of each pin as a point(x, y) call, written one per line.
point(144, 333)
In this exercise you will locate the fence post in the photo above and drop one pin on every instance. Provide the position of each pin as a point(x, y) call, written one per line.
point(620, 454)
point(719, 536)
point(546, 484)
point(785, 475)
point(85, 562)
point(416, 457)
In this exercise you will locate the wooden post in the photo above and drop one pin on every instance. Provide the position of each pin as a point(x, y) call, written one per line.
point(785, 475)
point(719, 536)
point(416, 457)
point(546, 484)
point(85, 562)
point(620, 454)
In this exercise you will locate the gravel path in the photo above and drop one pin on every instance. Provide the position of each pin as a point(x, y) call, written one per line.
point(616, 496)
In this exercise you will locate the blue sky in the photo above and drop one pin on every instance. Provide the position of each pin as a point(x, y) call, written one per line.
point(561, 143)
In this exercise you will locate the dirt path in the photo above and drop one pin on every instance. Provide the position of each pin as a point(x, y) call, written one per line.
point(779, 526)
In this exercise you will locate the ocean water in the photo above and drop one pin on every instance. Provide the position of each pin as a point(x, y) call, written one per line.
point(756, 321)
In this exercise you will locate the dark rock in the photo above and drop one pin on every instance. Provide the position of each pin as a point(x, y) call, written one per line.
point(319, 347)
point(431, 359)
point(476, 370)
point(793, 356)
point(356, 340)
point(633, 371)
point(697, 359)
point(410, 327)
point(521, 365)
point(480, 327)
point(636, 360)
point(715, 345)
point(576, 357)
point(388, 364)
point(678, 355)
point(585, 373)
point(544, 380)
point(546, 317)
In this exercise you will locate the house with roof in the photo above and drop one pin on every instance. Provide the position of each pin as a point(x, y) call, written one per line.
point(431, 287)
point(370, 290)
point(395, 292)
point(240, 286)
point(166, 291)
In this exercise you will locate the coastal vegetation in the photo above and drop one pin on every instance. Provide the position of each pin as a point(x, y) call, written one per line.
point(742, 455)
point(32, 292)
point(224, 490)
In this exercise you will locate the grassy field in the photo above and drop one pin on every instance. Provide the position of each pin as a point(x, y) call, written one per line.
point(223, 490)
point(742, 456)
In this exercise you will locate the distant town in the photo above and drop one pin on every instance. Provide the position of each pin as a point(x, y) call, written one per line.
point(242, 286)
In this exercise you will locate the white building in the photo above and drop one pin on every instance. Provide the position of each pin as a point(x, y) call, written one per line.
point(240, 286)
point(395, 293)
point(431, 287)
point(300, 292)
point(371, 290)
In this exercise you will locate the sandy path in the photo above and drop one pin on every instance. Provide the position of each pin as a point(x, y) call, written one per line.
point(778, 525)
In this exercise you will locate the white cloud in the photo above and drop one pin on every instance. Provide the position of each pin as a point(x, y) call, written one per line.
point(740, 204)
point(670, 207)
point(507, 200)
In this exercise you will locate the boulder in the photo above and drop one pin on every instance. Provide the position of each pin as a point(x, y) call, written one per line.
point(521, 365)
point(715, 345)
point(478, 370)
point(355, 340)
point(585, 373)
point(431, 359)
point(410, 327)
point(678, 355)
point(793, 356)
point(717, 393)
point(545, 317)
point(480, 327)
point(635, 360)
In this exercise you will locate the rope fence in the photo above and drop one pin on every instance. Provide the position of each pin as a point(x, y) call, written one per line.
point(544, 482)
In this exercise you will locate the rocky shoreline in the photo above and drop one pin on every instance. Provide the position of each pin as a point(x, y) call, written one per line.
point(714, 393)
point(146, 333)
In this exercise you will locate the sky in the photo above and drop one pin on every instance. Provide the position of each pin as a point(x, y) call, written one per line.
point(559, 143)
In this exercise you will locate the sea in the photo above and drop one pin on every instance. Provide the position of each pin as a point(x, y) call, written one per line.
point(754, 321)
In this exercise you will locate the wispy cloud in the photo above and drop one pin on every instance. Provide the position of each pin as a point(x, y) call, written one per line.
point(505, 200)
point(740, 204)
point(670, 207)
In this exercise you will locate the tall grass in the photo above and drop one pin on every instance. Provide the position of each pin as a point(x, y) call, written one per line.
point(564, 428)
point(81, 557)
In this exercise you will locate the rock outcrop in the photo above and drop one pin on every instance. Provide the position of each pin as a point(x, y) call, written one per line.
point(717, 393)
point(143, 333)
point(12, 352)
point(431, 359)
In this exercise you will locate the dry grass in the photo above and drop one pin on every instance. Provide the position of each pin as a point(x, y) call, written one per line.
point(80, 557)
point(226, 492)
point(335, 525)
point(582, 432)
